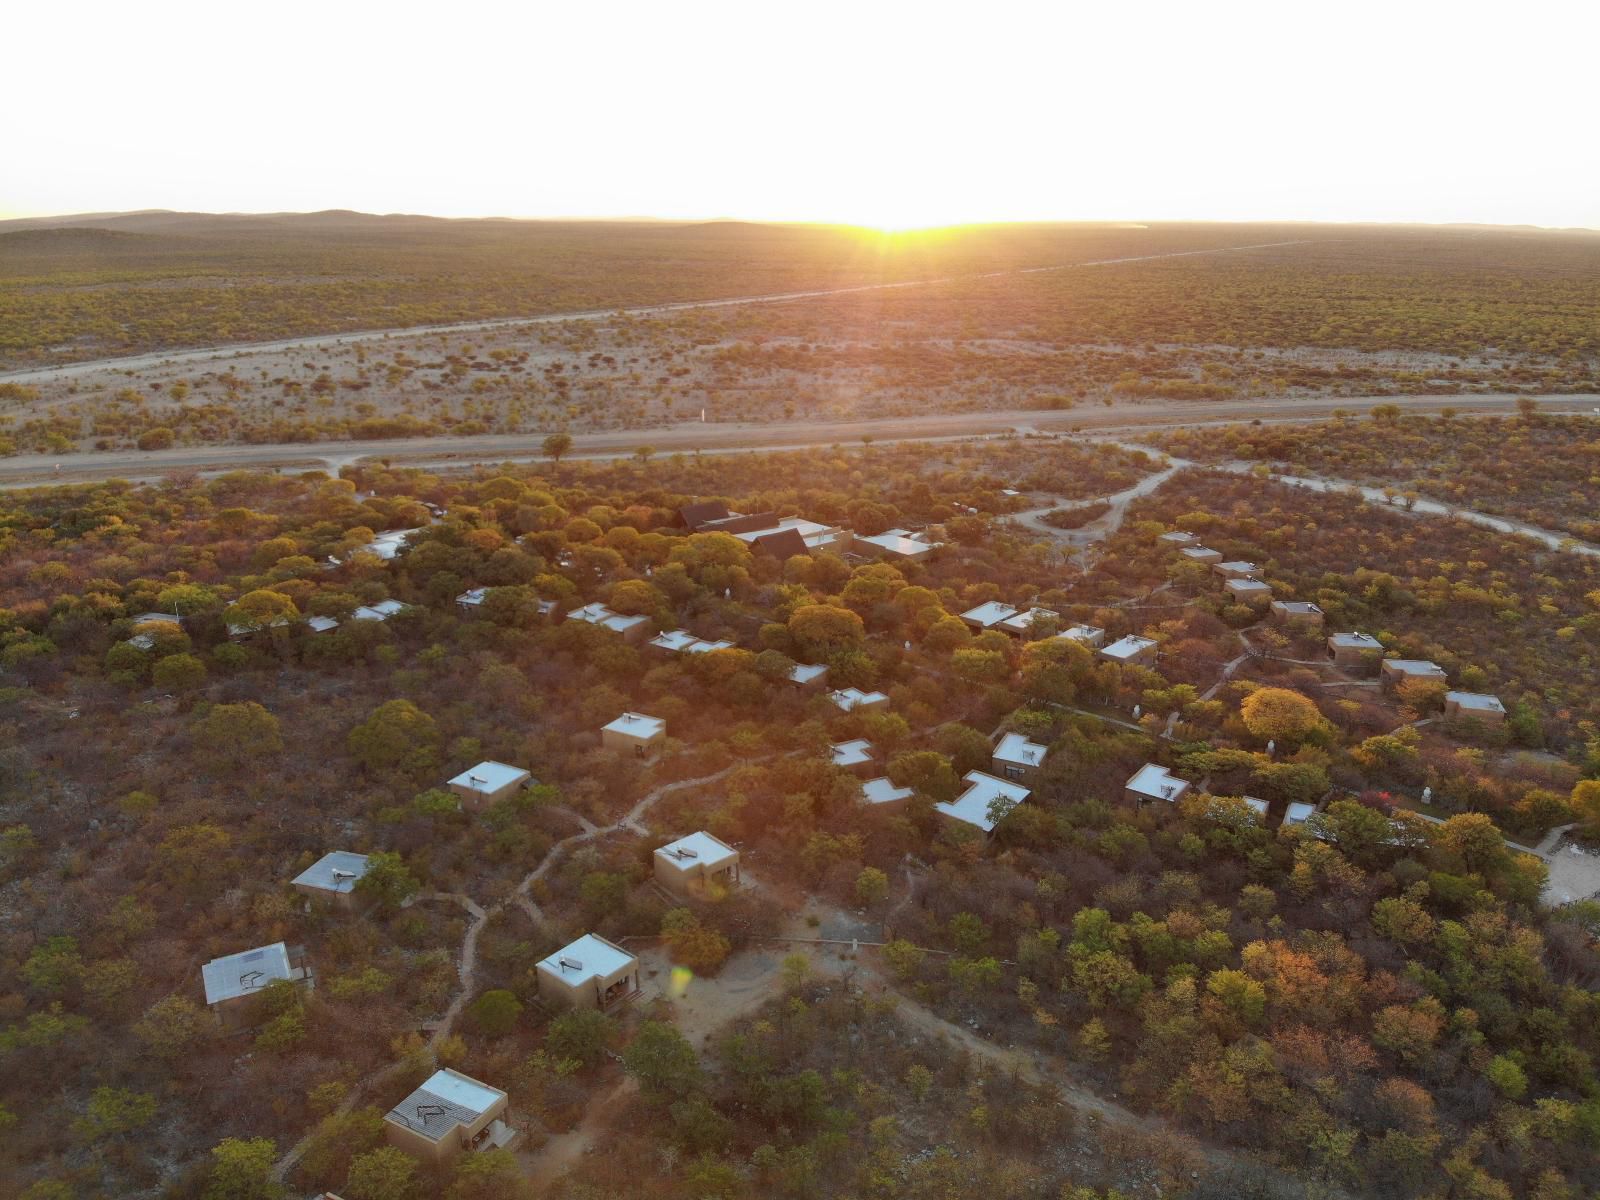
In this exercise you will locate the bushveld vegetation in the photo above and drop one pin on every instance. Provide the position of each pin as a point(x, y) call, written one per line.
point(1368, 1001)
point(169, 280)
point(1538, 469)
point(1332, 312)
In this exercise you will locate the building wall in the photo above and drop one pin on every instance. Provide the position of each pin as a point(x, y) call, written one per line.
point(560, 991)
point(1004, 770)
point(1452, 708)
point(695, 880)
point(475, 801)
point(626, 743)
point(350, 899)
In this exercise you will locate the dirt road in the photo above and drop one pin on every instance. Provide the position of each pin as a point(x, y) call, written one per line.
point(442, 453)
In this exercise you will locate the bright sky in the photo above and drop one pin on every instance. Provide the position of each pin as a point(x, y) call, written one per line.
point(870, 111)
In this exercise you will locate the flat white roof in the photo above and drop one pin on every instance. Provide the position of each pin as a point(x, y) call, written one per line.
point(1083, 633)
point(472, 596)
point(380, 611)
point(1248, 585)
point(673, 639)
point(490, 776)
point(1200, 552)
point(1023, 621)
point(1179, 535)
point(1477, 701)
point(850, 754)
point(638, 725)
point(806, 672)
point(1157, 782)
point(696, 850)
point(446, 1100)
point(898, 543)
point(336, 871)
point(851, 698)
point(242, 974)
point(1297, 606)
point(321, 624)
point(1355, 641)
point(1128, 647)
point(806, 529)
point(972, 806)
point(388, 543)
point(1414, 666)
point(989, 613)
point(1238, 566)
point(1015, 748)
point(620, 624)
point(699, 647)
point(163, 618)
point(1297, 813)
point(590, 957)
point(884, 791)
point(1259, 807)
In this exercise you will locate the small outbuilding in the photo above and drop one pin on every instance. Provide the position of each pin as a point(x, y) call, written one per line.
point(1477, 705)
point(1154, 782)
point(635, 734)
point(1018, 759)
point(480, 786)
point(808, 677)
point(696, 865)
point(589, 973)
point(1202, 554)
point(234, 983)
point(985, 798)
point(1397, 670)
point(1354, 651)
point(1248, 591)
point(631, 629)
point(883, 793)
point(1133, 651)
point(450, 1114)
point(988, 615)
point(1025, 623)
point(1297, 614)
point(333, 877)
point(1179, 537)
point(898, 543)
point(1089, 635)
point(1237, 569)
point(855, 700)
point(854, 756)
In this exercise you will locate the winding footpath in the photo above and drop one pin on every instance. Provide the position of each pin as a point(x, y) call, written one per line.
point(467, 967)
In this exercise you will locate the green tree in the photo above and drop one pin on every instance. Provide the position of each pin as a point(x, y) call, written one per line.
point(397, 736)
point(171, 1027)
point(557, 446)
point(384, 1174)
point(178, 673)
point(662, 1060)
point(872, 885)
point(1279, 714)
point(580, 1034)
point(238, 732)
point(488, 1175)
point(822, 630)
point(260, 609)
point(387, 880)
point(115, 1111)
point(194, 858)
point(241, 1169)
point(496, 1011)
